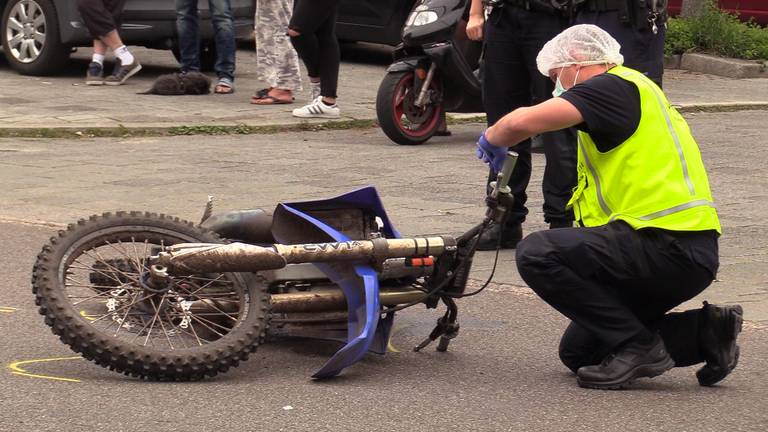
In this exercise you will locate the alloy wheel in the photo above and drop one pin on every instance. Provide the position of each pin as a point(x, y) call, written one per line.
point(26, 31)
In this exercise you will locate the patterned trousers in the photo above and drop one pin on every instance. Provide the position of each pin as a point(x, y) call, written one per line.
point(277, 63)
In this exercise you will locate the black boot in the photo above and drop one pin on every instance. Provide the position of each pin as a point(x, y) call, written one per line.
point(720, 325)
point(489, 240)
point(634, 360)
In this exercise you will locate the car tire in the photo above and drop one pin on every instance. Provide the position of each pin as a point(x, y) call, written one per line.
point(35, 48)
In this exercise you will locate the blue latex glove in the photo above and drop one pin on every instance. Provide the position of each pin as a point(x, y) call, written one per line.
point(490, 154)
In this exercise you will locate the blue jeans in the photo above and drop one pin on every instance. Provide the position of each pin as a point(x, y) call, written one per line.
point(187, 25)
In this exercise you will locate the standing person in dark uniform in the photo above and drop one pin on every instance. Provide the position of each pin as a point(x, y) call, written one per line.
point(514, 32)
point(638, 25)
point(648, 235)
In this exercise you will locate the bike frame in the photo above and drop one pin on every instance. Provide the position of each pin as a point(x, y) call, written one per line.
point(353, 264)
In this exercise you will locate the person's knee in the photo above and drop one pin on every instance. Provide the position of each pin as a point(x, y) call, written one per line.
point(530, 256)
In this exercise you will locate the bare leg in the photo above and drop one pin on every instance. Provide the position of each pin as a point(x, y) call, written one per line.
point(111, 40)
point(99, 47)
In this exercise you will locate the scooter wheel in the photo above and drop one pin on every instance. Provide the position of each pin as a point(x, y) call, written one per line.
point(399, 117)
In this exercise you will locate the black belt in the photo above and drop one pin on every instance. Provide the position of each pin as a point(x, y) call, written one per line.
point(604, 5)
point(534, 5)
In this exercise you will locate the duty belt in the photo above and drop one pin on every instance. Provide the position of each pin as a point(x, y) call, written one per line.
point(534, 5)
point(604, 5)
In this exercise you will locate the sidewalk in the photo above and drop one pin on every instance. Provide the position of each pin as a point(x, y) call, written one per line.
point(65, 102)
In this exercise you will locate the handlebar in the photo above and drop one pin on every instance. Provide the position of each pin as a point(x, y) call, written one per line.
point(503, 176)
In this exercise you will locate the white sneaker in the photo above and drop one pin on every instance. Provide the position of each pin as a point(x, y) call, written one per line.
point(314, 90)
point(318, 109)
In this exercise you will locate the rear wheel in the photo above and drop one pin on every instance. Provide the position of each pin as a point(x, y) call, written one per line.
point(90, 282)
point(399, 117)
point(30, 37)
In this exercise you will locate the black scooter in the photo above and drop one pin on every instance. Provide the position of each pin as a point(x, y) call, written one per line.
point(435, 71)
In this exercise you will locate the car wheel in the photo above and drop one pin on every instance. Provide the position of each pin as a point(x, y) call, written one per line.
point(30, 37)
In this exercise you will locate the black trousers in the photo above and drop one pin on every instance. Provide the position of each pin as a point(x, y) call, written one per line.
point(513, 38)
point(642, 49)
point(101, 16)
point(317, 44)
point(615, 282)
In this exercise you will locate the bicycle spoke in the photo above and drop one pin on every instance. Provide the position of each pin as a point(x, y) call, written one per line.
point(157, 314)
point(204, 325)
point(212, 306)
point(115, 269)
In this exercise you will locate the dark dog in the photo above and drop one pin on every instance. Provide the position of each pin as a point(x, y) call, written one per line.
point(177, 84)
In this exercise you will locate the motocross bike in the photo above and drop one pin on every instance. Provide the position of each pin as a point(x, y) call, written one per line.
point(157, 297)
point(436, 70)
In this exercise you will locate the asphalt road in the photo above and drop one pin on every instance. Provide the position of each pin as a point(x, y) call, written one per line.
point(502, 373)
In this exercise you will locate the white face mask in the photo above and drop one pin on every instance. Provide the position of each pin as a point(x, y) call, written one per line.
point(559, 89)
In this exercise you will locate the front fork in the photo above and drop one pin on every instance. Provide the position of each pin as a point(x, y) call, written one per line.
point(424, 92)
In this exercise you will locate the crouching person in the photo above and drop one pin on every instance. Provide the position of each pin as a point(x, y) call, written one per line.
point(648, 235)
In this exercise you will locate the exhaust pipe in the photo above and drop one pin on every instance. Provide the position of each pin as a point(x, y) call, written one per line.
point(327, 300)
point(191, 258)
point(334, 300)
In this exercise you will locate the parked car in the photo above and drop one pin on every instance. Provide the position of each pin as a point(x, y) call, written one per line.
point(756, 10)
point(37, 36)
point(374, 21)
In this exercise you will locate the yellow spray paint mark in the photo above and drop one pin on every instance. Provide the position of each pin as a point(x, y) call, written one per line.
point(7, 309)
point(390, 345)
point(88, 317)
point(16, 368)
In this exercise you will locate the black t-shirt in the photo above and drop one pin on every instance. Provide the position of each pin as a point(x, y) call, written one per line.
point(610, 107)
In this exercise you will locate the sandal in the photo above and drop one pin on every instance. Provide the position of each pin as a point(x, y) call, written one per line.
point(270, 100)
point(224, 86)
point(261, 94)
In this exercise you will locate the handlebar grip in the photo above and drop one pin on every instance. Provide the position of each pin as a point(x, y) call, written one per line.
point(507, 168)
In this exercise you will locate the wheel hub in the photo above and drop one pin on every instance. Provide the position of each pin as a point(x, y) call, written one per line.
point(413, 113)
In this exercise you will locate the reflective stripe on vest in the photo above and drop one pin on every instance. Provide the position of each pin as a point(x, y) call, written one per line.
point(600, 199)
point(645, 80)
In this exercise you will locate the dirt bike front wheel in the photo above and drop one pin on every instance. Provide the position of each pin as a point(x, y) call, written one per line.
point(90, 284)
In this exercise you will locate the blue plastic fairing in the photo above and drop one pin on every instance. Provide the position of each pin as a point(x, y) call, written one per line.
point(366, 330)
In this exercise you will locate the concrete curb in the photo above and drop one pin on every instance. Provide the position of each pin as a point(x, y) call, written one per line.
point(722, 106)
point(720, 66)
point(315, 126)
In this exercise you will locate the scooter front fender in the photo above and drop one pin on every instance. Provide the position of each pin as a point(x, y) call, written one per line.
point(407, 64)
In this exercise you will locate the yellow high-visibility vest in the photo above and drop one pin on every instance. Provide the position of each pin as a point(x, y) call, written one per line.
point(656, 178)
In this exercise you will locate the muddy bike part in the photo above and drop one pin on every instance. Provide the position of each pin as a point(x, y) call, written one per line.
point(96, 287)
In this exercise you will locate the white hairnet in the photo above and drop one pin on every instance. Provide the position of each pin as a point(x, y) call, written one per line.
point(583, 44)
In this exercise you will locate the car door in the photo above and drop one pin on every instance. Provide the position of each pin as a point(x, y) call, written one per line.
point(377, 21)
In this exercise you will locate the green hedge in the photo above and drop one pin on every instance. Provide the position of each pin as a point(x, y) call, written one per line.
point(717, 32)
